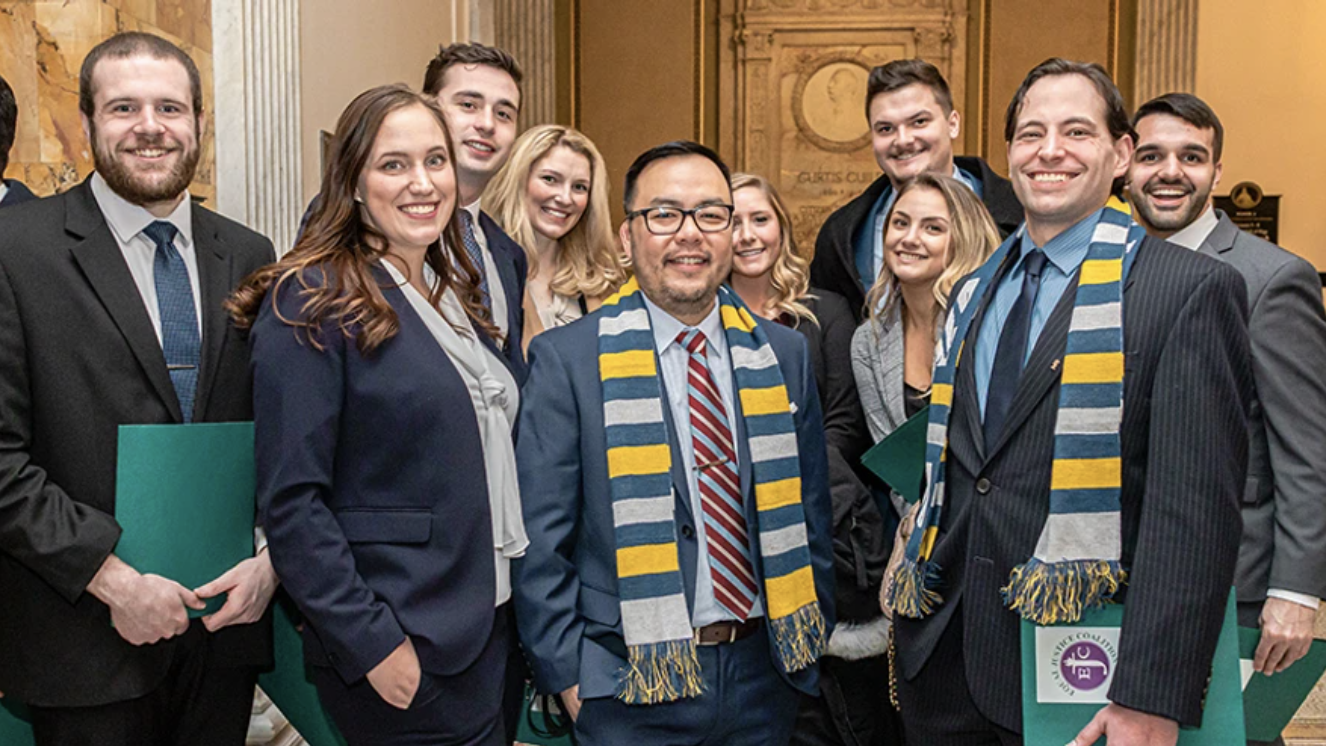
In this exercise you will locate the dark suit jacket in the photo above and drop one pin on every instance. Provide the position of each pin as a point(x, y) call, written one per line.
point(18, 193)
point(79, 358)
point(860, 541)
point(567, 607)
point(512, 266)
point(1184, 438)
point(1284, 502)
point(373, 491)
point(834, 265)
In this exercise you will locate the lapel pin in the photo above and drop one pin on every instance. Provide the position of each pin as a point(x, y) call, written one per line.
point(1055, 365)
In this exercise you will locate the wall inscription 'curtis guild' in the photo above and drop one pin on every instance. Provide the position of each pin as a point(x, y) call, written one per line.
point(800, 90)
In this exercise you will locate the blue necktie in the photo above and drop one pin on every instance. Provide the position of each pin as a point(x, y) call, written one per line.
point(475, 253)
point(1007, 369)
point(179, 321)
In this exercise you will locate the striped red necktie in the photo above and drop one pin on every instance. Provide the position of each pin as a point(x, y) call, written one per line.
point(720, 490)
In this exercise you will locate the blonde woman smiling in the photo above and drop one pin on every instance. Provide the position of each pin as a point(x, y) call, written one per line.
point(552, 198)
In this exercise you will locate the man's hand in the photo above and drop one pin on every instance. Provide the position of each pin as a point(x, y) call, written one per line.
point(1124, 727)
point(249, 586)
point(571, 702)
point(396, 678)
point(144, 608)
point(1286, 635)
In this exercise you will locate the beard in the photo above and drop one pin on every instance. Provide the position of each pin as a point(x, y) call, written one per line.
point(138, 187)
point(1172, 221)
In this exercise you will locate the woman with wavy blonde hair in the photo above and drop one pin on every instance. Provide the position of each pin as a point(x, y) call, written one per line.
point(551, 197)
point(774, 281)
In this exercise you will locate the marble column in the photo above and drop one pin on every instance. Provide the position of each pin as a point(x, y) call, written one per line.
point(257, 115)
point(1166, 48)
point(527, 29)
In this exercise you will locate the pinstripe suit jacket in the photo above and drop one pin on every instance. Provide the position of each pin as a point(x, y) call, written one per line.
point(1187, 385)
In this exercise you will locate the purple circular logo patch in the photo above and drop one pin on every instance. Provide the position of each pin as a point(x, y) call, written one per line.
point(1084, 665)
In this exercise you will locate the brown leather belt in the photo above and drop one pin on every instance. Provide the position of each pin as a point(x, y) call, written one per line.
point(720, 633)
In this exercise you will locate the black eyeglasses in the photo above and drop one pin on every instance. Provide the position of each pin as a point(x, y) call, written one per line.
point(665, 221)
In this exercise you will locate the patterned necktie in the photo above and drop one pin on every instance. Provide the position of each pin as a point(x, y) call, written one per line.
point(1007, 369)
point(720, 491)
point(179, 321)
point(475, 252)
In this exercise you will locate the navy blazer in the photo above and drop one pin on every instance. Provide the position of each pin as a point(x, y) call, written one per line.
point(373, 491)
point(565, 587)
point(513, 267)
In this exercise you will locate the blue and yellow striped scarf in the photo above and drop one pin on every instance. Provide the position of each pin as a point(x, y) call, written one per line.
point(663, 665)
point(1076, 564)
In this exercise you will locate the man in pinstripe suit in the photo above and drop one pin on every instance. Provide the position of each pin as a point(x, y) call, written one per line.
point(1183, 442)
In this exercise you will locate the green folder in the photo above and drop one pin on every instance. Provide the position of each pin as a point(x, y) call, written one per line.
point(1064, 682)
point(184, 496)
point(1269, 702)
point(899, 459)
point(14, 727)
point(287, 686)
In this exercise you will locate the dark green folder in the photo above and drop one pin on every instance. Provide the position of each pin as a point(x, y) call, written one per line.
point(1269, 702)
point(899, 459)
point(1055, 724)
point(14, 727)
point(184, 496)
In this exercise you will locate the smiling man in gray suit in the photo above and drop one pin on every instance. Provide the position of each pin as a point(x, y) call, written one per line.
point(1282, 558)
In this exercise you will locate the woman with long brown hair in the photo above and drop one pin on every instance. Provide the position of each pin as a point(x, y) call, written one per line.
point(551, 197)
point(774, 281)
point(383, 411)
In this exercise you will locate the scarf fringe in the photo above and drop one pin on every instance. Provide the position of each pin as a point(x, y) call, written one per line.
point(661, 672)
point(800, 637)
point(1058, 592)
point(914, 594)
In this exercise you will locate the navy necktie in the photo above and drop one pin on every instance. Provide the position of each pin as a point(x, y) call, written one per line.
point(179, 320)
point(1007, 368)
point(475, 253)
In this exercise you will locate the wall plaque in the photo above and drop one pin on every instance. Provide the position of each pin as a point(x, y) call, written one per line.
point(799, 114)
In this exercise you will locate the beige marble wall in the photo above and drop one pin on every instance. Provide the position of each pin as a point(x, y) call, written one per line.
point(42, 46)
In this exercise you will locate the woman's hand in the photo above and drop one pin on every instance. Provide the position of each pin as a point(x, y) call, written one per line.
point(396, 678)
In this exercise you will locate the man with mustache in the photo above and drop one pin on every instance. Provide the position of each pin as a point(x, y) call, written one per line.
point(1281, 573)
point(677, 589)
point(113, 293)
point(912, 128)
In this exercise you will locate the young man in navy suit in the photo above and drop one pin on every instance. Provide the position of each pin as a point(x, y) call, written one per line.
point(663, 463)
point(478, 88)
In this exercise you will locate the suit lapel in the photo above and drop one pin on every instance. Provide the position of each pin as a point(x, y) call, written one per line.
point(99, 258)
point(1043, 368)
point(1221, 238)
point(965, 393)
point(214, 283)
point(890, 366)
point(506, 271)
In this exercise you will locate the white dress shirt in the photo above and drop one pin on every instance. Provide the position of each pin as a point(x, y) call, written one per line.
point(673, 363)
point(127, 221)
point(496, 291)
point(1192, 236)
point(4, 189)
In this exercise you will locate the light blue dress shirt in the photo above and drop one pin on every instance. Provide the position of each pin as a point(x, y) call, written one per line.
point(1064, 254)
point(673, 362)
